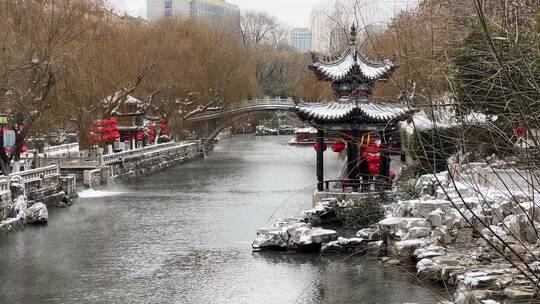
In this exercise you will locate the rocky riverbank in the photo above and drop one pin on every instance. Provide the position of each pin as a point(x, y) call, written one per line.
point(485, 246)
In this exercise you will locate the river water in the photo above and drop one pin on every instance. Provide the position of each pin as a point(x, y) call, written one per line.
point(184, 236)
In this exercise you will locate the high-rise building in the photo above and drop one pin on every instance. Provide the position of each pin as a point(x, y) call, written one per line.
point(339, 40)
point(203, 9)
point(301, 39)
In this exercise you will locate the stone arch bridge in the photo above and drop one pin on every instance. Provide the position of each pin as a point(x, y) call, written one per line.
point(219, 118)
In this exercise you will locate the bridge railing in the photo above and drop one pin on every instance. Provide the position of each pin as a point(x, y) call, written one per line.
point(263, 101)
point(246, 104)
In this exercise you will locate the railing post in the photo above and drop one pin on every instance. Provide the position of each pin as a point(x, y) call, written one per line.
point(320, 160)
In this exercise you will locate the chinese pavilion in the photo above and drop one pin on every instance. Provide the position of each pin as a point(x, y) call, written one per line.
point(368, 126)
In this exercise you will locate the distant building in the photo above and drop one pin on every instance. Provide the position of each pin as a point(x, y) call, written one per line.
point(208, 10)
point(301, 39)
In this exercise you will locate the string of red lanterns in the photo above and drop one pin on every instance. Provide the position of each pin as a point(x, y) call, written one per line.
point(370, 153)
point(105, 130)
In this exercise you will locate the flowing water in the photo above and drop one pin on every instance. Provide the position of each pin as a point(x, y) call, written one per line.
point(184, 236)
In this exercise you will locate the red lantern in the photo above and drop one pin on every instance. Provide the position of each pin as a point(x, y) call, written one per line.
point(24, 149)
point(373, 169)
point(324, 148)
point(163, 127)
point(338, 146)
point(373, 159)
point(7, 149)
point(520, 131)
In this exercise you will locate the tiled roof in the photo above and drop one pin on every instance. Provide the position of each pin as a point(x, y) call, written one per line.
point(353, 60)
point(365, 111)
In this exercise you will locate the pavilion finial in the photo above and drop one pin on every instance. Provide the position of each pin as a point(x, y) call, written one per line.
point(354, 34)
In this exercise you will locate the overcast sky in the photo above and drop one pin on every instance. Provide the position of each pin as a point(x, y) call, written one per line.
point(294, 13)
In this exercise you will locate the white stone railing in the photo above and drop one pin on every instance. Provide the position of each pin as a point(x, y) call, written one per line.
point(117, 157)
point(40, 179)
point(36, 174)
point(495, 178)
point(60, 148)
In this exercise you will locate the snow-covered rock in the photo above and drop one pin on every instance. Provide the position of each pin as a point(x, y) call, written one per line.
point(352, 242)
point(436, 218)
point(369, 234)
point(20, 205)
point(391, 225)
point(320, 236)
point(37, 214)
point(418, 233)
point(271, 240)
point(406, 248)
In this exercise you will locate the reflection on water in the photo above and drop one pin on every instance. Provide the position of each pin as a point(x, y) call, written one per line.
point(184, 236)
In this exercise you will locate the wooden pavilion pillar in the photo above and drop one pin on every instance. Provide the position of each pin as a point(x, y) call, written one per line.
point(352, 159)
point(320, 159)
point(384, 165)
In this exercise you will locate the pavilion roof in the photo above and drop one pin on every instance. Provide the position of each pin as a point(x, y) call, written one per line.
point(353, 62)
point(364, 111)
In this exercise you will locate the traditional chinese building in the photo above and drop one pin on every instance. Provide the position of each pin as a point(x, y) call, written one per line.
point(367, 126)
point(130, 121)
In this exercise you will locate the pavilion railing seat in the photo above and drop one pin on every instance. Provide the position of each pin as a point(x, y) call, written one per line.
point(366, 184)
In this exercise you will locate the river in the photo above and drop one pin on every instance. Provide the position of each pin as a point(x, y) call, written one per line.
point(184, 236)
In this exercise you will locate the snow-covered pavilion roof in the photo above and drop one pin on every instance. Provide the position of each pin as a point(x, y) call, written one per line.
point(353, 62)
point(344, 111)
point(129, 99)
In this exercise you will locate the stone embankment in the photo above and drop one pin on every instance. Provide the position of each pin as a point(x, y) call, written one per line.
point(135, 163)
point(482, 243)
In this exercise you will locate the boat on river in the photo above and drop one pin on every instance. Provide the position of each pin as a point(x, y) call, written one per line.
point(304, 136)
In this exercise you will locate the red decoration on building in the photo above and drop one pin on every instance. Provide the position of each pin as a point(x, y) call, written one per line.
point(338, 146)
point(24, 149)
point(151, 132)
point(140, 134)
point(113, 129)
point(105, 130)
point(373, 169)
point(372, 157)
point(163, 127)
point(324, 148)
